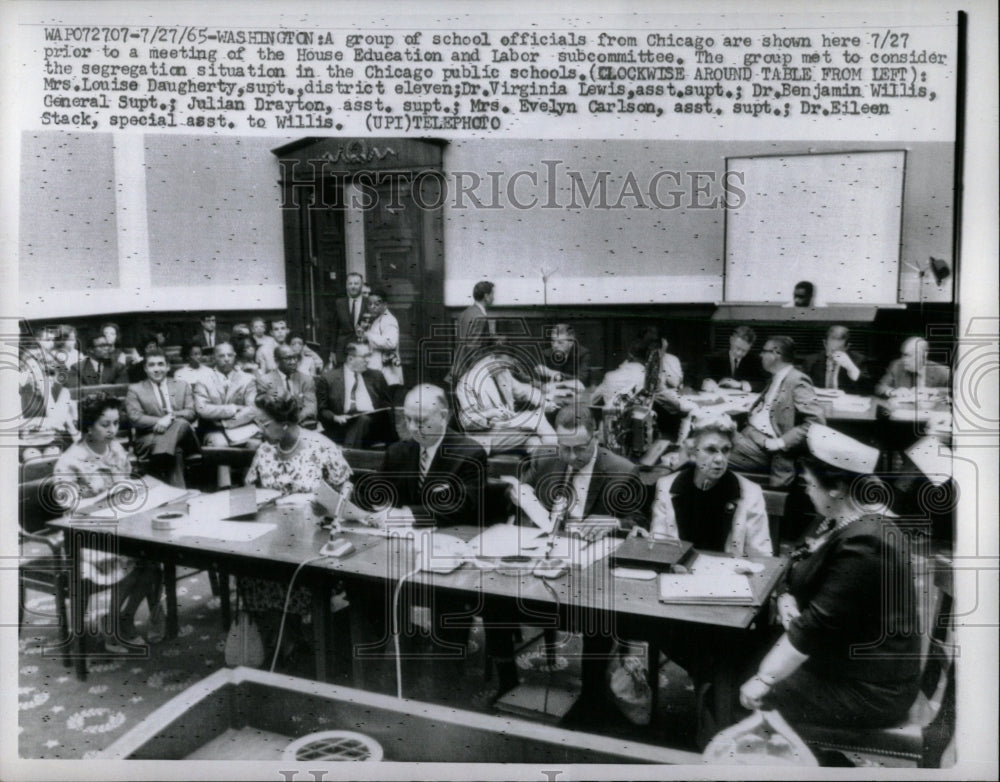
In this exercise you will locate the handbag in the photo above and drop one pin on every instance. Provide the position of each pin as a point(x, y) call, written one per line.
point(629, 685)
point(244, 645)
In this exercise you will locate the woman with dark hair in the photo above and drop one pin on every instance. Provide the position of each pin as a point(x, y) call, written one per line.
point(292, 460)
point(194, 371)
point(850, 655)
point(246, 355)
point(93, 467)
point(119, 355)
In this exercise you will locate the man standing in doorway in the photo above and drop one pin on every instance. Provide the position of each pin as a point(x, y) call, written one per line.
point(475, 327)
point(347, 312)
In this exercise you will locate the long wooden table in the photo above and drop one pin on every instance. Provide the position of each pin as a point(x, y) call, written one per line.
point(629, 608)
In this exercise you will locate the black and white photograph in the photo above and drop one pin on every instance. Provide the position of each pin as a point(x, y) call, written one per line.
point(499, 392)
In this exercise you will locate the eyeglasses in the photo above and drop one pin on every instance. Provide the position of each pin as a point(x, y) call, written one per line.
point(771, 351)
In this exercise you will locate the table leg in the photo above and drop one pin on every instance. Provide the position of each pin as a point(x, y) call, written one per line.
point(78, 594)
point(321, 629)
point(224, 603)
point(170, 586)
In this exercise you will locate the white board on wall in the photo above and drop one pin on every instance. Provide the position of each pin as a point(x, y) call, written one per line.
point(832, 219)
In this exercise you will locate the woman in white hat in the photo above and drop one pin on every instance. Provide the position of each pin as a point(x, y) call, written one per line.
point(850, 655)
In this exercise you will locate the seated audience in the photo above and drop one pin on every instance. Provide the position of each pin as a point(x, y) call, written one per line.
point(849, 657)
point(193, 371)
point(225, 405)
point(161, 411)
point(47, 409)
point(706, 503)
point(383, 337)
point(780, 418)
point(98, 368)
point(912, 371)
point(292, 460)
point(355, 407)
point(92, 467)
point(309, 361)
point(732, 368)
point(497, 410)
point(286, 380)
point(837, 366)
point(566, 359)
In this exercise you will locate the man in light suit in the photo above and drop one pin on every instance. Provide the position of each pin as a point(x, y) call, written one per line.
point(383, 338)
point(474, 329)
point(780, 418)
point(224, 402)
point(346, 313)
point(837, 366)
point(287, 380)
point(352, 389)
point(98, 368)
point(161, 411)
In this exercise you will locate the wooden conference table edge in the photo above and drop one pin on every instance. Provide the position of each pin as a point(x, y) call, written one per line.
point(285, 549)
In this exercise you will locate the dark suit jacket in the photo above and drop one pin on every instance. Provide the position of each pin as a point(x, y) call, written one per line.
point(84, 374)
point(715, 366)
point(342, 328)
point(897, 376)
point(200, 338)
point(815, 367)
point(302, 387)
point(575, 364)
point(615, 489)
point(473, 333)
point(458, 460)
point(330, 395)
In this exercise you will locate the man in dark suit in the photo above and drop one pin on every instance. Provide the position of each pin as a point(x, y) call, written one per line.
point(780, 419)
point(732, 368)
point(161, 411)
point(587, 480)
point(98, 369)
point(207, 337)
point(346, 312)
point(352, 401)
point(286, 380)
point(474, 329)
point(436, 462)
point(837, 366)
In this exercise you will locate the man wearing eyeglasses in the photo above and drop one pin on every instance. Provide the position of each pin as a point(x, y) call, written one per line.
point(780, 418)
point(355, 406)
point(98, 369)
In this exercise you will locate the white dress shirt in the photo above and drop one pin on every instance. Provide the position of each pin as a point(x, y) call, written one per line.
point(760, 415)
point(362, 399)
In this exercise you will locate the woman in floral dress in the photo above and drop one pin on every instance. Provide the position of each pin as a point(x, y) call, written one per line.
point(292, 460)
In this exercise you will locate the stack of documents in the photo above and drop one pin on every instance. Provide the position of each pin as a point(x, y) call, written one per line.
point(851, 403)
point(713, 581)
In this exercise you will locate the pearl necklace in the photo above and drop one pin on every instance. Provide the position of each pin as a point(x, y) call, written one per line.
point(295, 445)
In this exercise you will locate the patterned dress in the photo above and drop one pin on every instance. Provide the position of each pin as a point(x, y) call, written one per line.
point(314, 459)
point(92, 474)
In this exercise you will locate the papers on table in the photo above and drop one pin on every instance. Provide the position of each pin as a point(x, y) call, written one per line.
point(851, 403)
point(352, 518)
point(216, 529)
point(712, 581)
point(238, 435)
point(933, 458)
point(133, 496)
point(532, 544)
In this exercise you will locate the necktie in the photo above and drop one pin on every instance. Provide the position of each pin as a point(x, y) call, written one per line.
point(425, 464)
point(164, 398)
point(354, 313)
point(732, 366)
point(353, 405)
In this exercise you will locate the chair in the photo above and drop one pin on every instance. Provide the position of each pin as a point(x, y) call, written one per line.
point(923, 738)
point(774, 503)
point(41, 564)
